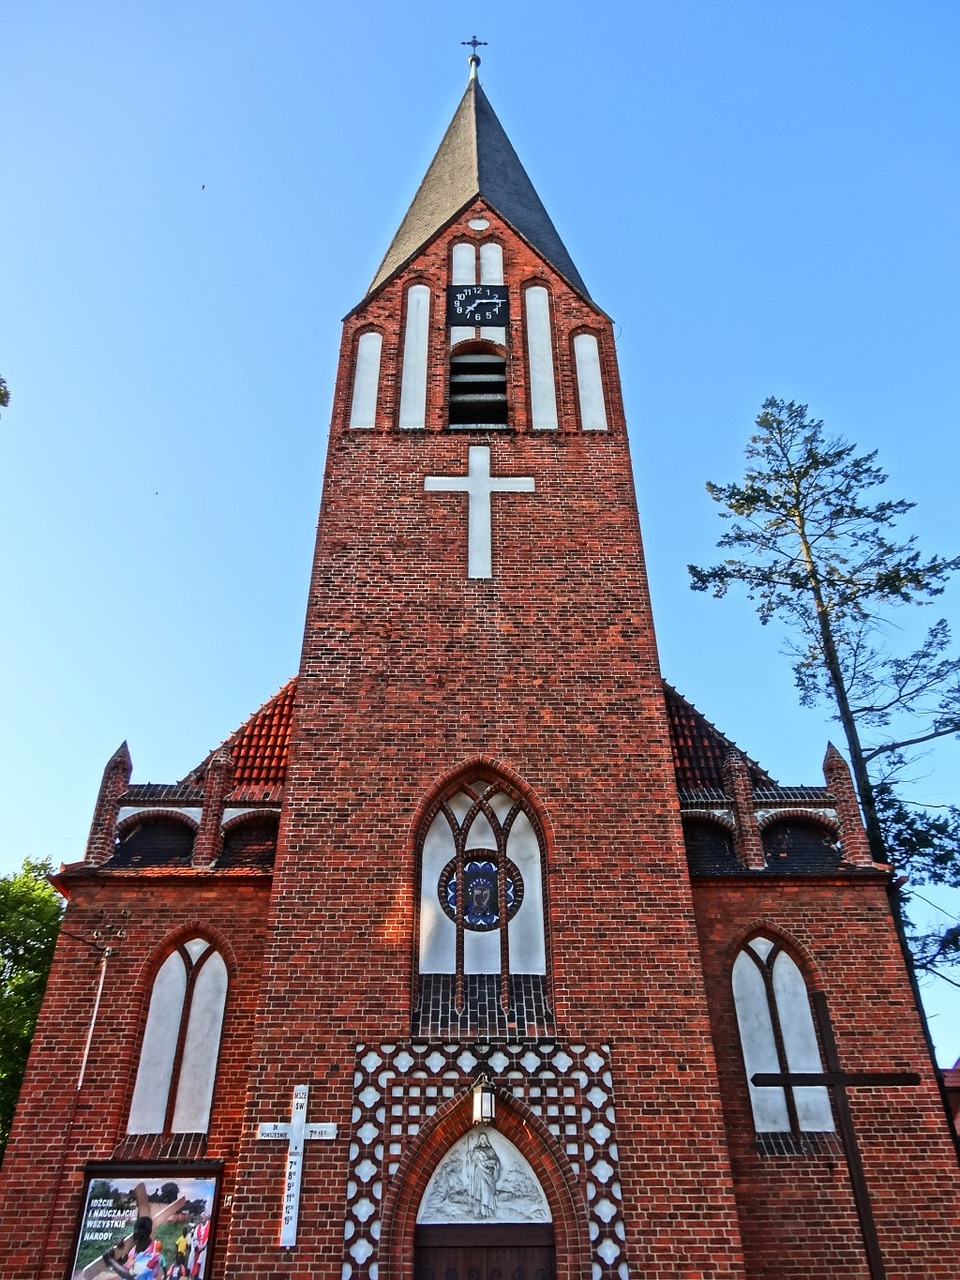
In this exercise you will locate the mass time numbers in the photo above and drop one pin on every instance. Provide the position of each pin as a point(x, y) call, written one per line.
point(477, 304)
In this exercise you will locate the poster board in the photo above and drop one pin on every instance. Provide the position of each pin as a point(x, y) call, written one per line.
point(180, 1200)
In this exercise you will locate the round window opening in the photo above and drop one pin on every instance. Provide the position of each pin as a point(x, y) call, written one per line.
point(481, 891)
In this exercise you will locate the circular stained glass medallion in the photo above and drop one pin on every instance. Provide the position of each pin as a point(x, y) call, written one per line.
point(481, 891)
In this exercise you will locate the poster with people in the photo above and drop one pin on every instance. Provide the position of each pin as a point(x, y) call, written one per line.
point(146, 1226)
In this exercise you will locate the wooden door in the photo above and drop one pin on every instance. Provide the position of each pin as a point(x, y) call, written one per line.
point(520, 1251)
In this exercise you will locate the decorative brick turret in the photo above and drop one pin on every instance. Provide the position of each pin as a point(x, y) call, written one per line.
point(736, 778)
point(837, 775)
point(116, 779)
point(217, 782)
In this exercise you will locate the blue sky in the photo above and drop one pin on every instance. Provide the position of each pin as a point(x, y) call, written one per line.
point(762, 194)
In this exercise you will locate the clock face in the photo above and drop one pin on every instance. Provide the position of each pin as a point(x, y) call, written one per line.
point(477, 304)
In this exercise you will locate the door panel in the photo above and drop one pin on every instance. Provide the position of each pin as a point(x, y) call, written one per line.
point(484, 1262)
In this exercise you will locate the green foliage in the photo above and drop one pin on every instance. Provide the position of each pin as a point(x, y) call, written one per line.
point(4, 394)
point(30, 911)
point(815, 545)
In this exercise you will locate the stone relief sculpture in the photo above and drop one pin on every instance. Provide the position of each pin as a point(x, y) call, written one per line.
point(483, 1178)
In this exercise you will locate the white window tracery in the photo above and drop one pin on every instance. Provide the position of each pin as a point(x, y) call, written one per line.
point(176, 1075)
point(777, 1035)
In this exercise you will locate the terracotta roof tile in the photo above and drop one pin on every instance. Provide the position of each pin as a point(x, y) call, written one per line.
point(699, 748)
point(260, 750)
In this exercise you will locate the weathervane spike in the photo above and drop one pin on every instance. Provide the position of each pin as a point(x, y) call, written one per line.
point(474, 61)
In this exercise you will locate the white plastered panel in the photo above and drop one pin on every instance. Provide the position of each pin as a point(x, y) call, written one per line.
point(464, 268)
point(759, 1047)
point(762, 946)
point(413, 386)
point(593, 409)
point(198, 1070)
point(480, 835)
point(481, 951)
point(366, 381)
point(158, 1047)
point(527, 945)
point(438, 934)
point(501, 804)
point(460, 805)
point(800, 1042)
point(543, 385)
point(491, 272)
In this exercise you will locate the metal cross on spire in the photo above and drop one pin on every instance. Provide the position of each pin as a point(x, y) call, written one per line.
point(474, 59)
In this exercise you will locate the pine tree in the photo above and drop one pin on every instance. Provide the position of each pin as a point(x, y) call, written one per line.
point(815, 545)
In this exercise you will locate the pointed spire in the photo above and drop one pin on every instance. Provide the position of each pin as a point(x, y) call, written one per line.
point(853, 838)
point(474, 159)
point(116, 779)
point(216, 784)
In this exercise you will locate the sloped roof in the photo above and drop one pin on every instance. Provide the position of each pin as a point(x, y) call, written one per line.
point(699, 748)
point(474, 159)
point(260, 748)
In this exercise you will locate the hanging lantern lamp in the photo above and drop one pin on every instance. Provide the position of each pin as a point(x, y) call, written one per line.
point(484, 1101)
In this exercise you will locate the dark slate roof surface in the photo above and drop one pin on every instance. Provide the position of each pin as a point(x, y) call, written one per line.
point(699, 748)
point(474, 159)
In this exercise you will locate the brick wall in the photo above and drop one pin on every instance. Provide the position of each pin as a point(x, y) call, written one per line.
point(797, 1213)
point(549, 668)
point(58, 1130)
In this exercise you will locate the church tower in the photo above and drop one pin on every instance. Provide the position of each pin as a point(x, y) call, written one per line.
point(466, 950)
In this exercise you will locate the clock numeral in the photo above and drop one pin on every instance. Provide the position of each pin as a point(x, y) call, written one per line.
point(477, 304)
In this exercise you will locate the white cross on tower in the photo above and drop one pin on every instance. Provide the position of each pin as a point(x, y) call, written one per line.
point(478, 485)
point(295, 1133)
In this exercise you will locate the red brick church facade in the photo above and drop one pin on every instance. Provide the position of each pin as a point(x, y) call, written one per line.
point(478, 839)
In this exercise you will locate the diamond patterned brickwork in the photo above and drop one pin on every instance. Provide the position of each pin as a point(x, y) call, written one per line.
point(400, 1087)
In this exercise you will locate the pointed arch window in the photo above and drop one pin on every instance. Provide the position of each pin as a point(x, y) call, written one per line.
point(777, 1034)
point(482, 942)
point(173, 1092)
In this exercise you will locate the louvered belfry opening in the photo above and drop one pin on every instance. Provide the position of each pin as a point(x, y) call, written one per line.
point(478, 389)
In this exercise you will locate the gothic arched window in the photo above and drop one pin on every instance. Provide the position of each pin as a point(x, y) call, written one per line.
point(155, 840)
point(777, 1034)
point(181, 1042)
point(482, 943)
point(797, 844)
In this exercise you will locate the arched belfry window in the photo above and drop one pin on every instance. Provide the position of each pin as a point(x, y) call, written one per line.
point(482, 953)
point(181, 1042)
point(478, 387)
point(777, 1034)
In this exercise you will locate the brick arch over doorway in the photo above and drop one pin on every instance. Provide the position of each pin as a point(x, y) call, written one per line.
point(532, 1139)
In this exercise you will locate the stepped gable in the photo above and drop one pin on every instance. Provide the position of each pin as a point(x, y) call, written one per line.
point(699, 749)
point(259, 749)
point(476, 159)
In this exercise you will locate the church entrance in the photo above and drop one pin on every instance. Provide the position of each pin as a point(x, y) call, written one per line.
point(501, 1251)
point(484, 1215)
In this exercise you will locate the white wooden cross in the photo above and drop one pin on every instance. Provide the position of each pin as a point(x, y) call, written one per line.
point(295, 1134)
point(478, 485)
